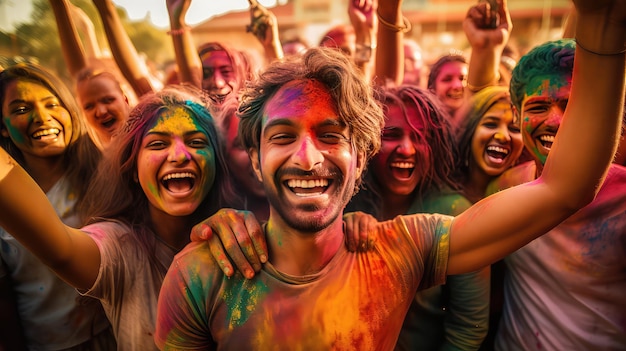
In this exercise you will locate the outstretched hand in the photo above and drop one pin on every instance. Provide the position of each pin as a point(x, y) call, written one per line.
point(238, 238)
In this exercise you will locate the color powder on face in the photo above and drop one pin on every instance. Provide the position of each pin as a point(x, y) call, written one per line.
point(174, 121)
point(13, 132)
point(170, 122)
point(308, 93)
point(183, 139)
point(551, 93)
point(154, 190)
point(206, 55)
point(548, 85)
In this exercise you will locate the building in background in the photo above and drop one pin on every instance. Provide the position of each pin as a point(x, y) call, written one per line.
point(436, 24)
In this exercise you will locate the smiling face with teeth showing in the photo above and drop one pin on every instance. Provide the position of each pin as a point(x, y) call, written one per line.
point(400, 164)
point(35, 120)
point(176, 163)
point(306, 159)
point(540, 87)
point(497, 142)
point(542, 111)
point(223, 71)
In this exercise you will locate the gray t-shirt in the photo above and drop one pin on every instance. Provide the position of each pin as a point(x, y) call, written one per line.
point(128, 282)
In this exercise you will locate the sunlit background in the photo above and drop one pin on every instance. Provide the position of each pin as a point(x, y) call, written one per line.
point(27, 27)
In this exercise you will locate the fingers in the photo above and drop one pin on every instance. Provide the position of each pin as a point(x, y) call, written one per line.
point(217, 250)
point(503, 12)
point(230, 227)
point(233, 237)
point(200, 232)
point(363, 5)
point(358, 230)
point(351, 232)
point(363, 235)
point(367, 224)
point(487, 17)
point(371, 231)
point(257, 235)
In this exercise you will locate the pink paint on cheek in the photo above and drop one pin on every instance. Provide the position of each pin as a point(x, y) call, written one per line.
point(555, 117)
point(531, 123)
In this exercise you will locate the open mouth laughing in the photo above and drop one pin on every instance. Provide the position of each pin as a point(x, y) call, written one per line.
point(497, 154)
point(308, 187)
point(44, 134)
point(179, 183)
point(109, 123)
point(402, 170)
point(546, 140)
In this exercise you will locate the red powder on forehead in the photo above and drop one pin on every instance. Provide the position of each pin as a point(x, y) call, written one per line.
point(309, 89)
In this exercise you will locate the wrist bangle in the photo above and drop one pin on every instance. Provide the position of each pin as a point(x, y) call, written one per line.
point(475, 89)
point(404, 28)
point(601, 53)
point(178, 31)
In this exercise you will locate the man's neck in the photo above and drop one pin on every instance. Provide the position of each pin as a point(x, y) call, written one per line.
point(301, 253)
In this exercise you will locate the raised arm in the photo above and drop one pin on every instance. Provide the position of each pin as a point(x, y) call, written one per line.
point(187, 59)
point(487, 27)
point(569, 31)
point(122, 48)
point(264, 26)
point(363, 18)
point(389, 66)
point(26, 213)
point(85, 26)
point(73, 51)
point(578, 160)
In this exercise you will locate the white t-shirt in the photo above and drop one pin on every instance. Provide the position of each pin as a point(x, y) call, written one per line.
point(565, 290)
point(54, 315)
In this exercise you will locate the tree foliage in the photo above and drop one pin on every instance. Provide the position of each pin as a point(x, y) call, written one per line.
point(38, 39)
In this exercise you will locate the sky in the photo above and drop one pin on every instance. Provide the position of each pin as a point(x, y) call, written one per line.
point(200, 10)
point(16, 11)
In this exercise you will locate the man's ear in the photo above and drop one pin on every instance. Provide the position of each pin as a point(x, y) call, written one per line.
point(360, 164)
point(254, 159)
point(516, 116)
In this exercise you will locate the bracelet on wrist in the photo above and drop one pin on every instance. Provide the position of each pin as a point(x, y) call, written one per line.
point(475, 89)
point(600, 53)
point(404, 28)
point(178, 31)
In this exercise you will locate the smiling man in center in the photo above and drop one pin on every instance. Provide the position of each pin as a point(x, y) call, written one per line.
point(310, 125)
